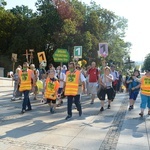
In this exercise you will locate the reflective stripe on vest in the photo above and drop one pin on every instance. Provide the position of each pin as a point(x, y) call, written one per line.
point(51, 88)
point(25, 78)
point(145, 85)
point(72, 83)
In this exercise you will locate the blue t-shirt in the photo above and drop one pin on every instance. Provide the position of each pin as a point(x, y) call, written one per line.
point(134, 83)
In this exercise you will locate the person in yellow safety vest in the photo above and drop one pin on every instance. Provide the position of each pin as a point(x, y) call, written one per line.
point(51, 90)
point(74, 82)
point(145, 93)
point(26, 78)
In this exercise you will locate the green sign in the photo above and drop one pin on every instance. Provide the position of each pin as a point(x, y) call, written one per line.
point(61, 55)
point(77, 51)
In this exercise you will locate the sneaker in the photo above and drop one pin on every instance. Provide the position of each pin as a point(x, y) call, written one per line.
point(141, 114)
point(58, 105)
point(45, 102)
point(108, 107)
point(92, 102)
point(22, 112)
point(34, 98)
point(13, 99)
point(68, 117)
point(102, 109)
point(80, 111)
point(29, 109)
point(131, 107)
point(52, 110)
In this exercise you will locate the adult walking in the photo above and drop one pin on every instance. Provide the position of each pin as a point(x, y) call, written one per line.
point(93, 73)
point(74, 83)
point(61, 77)
point(26, 82)
point(145, 93)
point(16, 92)
point(106, 88)
point(36, 76)
point(134, 88)
point(115, 75)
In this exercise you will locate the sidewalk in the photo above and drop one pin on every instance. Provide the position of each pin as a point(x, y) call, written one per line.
point(114, 129)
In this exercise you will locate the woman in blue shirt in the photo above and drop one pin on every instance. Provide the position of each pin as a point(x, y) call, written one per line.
point(134, 88)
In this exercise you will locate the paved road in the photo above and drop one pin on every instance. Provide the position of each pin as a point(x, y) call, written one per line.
point(114, 129)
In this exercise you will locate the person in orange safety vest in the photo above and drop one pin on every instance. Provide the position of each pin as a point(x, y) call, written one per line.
point(51, 90)
point(74, 83)
point(145, 93)
point(26, 78)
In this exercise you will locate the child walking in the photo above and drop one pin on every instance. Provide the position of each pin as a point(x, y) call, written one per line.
point(51, 90)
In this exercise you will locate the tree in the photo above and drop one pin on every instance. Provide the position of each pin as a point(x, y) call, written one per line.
point(147, 62)
point(7, 27)
point(2, 4)
point(23, 11)
point(64, 24)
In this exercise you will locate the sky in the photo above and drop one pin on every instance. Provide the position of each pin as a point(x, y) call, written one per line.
point(136, 11)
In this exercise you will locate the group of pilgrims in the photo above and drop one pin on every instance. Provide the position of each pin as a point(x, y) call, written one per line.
point(72, 81)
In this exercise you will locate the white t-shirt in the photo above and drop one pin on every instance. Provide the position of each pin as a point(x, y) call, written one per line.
point(106, 81)
point(115, 75)
point(62, 76)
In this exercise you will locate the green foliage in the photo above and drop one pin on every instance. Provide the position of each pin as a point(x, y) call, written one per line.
point(147, 62)
point(63, 24)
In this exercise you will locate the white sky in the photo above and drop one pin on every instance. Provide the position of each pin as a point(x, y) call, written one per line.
point(136, 11)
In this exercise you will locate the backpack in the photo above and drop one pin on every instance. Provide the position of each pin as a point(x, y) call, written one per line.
point(116, 81)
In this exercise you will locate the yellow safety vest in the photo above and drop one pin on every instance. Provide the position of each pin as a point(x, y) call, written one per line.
point(145, 85)
point(26, 80)
point(72, 83)
point(51, 89)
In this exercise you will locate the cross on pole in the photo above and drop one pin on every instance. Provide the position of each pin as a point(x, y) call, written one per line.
point(29, 56)
point(129, 62)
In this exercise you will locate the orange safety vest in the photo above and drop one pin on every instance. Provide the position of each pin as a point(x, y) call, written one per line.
point(145, 85)
point(51, 89)
point(26, 80)
point(72, 83)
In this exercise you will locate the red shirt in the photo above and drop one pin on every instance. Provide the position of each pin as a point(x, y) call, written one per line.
point(93, 74)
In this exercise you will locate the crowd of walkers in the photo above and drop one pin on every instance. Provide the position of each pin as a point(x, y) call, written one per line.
point(71, 82)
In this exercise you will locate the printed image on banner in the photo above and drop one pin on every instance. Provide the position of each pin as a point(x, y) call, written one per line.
point(103, 49)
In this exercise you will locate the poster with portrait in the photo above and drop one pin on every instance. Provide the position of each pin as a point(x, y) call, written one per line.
point(103, 49)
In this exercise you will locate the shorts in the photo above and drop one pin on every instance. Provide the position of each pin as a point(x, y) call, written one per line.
point(60, 90)
point(133, 95)
point(51, 100)
point(102, 94)
point(92, 87)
